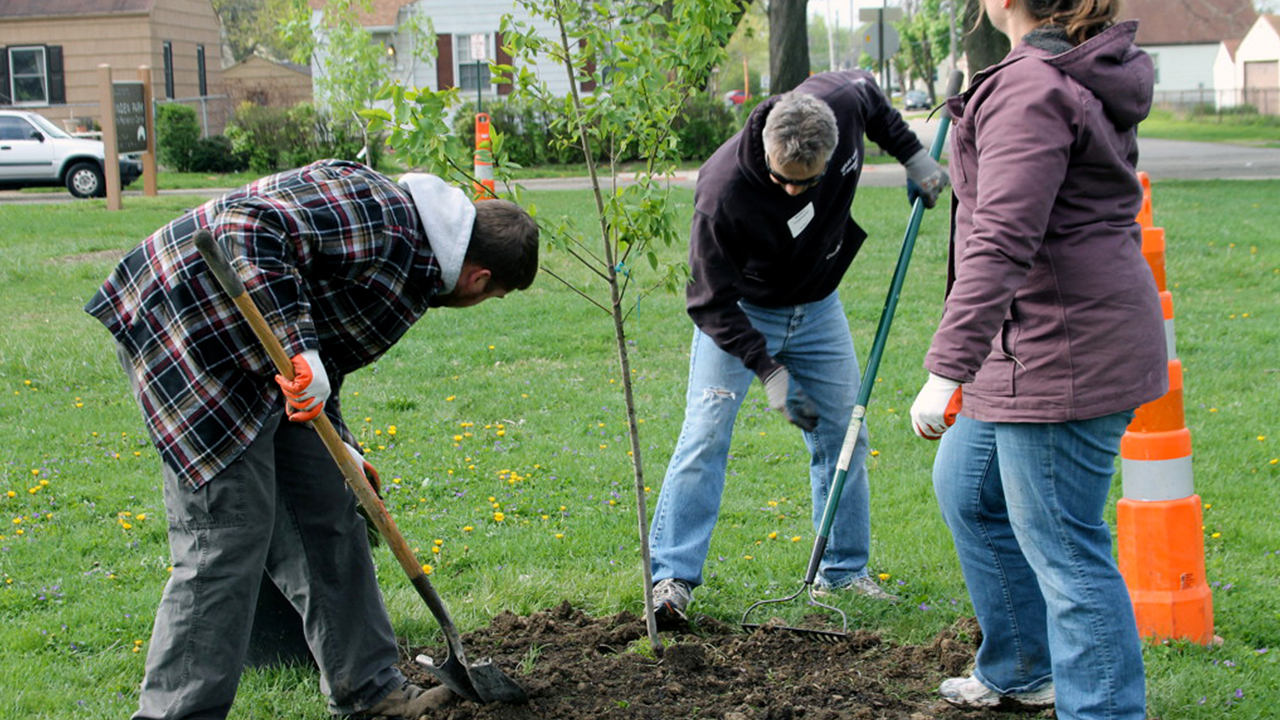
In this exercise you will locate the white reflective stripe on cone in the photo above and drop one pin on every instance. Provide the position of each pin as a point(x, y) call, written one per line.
point(1157, 480)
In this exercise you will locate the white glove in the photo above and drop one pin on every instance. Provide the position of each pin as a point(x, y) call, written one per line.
point(790, 399)
point(309, 389)
point(925, 177)
point(935, 407)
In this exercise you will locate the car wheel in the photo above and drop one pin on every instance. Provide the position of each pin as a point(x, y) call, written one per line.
point(84, 180)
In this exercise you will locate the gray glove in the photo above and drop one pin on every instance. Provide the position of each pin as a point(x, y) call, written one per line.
point(925, 178)
point(790, 399)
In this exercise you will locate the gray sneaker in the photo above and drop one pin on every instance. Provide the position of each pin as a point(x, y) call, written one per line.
point(670, 599)
point(863, 586)
point(970, 692)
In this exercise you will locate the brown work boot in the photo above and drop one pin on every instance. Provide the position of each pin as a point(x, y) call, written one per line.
point(408, 702)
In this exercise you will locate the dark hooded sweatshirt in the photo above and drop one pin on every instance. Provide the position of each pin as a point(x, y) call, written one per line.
point(1052, 313)
point(751, 241)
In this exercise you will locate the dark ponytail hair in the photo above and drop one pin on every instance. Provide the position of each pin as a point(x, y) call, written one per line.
point(1082, 18)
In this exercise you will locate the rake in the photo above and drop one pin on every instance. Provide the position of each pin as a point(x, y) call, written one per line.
point(859, 415)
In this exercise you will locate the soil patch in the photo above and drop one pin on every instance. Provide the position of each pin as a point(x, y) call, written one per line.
point(576, 666)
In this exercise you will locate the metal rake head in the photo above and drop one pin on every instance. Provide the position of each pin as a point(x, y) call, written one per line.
point(811, 633)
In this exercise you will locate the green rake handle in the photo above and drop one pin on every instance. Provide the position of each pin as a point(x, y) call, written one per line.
point(877, 351)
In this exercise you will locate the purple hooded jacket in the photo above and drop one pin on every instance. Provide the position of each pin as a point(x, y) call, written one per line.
point(1052, 313)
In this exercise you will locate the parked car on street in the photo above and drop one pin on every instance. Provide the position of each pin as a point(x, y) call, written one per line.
point(34, 152)
point(915, 100)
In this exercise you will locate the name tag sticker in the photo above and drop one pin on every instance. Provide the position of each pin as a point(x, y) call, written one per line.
point(800, 220)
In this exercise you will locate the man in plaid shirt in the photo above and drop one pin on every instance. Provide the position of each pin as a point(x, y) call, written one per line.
point(342, 261)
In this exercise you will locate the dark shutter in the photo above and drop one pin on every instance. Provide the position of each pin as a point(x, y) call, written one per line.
point(444, 62)
point(4, 77)
point(587, 85)
point(57, 77)
point(503, 59)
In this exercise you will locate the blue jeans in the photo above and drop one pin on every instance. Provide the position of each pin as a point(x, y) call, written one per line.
point(813, 341)
point(1024, 503)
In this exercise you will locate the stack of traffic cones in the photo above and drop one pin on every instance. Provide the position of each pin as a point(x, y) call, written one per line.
point(1159, 523)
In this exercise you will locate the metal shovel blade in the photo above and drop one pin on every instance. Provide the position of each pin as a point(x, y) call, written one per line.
point(481, 681)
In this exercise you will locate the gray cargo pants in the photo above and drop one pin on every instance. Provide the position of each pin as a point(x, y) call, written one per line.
point(281, 506)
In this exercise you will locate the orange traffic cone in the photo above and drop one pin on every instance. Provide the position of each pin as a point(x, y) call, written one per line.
point(484, 188)
point(1158, 521)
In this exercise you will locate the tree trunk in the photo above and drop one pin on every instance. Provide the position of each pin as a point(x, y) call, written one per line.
point(788, 44)
point(983, 46)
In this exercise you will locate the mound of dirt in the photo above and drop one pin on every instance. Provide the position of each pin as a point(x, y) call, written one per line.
point(576, 666)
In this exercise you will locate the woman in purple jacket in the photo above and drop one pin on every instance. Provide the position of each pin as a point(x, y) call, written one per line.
point(1052, 327)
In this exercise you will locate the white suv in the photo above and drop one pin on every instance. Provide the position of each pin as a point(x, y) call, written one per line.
point(34, 152)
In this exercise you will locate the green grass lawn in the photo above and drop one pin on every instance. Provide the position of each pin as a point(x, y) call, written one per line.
point(515, 407)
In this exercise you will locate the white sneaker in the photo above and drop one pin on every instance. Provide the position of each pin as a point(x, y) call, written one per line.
point(864, 586)
point(970, 692)
point(670, 599)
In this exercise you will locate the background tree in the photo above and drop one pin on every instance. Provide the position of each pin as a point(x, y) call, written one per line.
point(252, 27)
point(788, 44)
point(926, 39)
point(984, 46)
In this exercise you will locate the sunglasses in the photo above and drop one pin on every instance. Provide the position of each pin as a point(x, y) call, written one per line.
point(806, 183)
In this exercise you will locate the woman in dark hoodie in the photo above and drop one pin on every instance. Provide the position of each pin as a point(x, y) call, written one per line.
point(1052, 329)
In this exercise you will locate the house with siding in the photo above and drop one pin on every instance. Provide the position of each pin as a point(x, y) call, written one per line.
point(50, 51)
point(1183, 38)
point(467, 38)
point(1248, 69)
point(267, 82)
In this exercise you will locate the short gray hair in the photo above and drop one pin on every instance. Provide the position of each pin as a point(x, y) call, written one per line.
point(800, 129)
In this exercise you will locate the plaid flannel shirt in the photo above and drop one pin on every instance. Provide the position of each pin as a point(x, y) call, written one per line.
point(335, 257)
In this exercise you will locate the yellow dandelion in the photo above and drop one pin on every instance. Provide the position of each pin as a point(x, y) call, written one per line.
point(1262, 438)
point(773, 536)
point(1216, 535)
point(795, 539)
point(450, 398)
point(559, 536)
point(141, 516)
point(435, 550)
point(490, 347)
point(378, 431)
point(499, 517)
point(502, 433)
point(748, 557)
point(34, 471)
point(12, 494)
point(875, 453)
point(884, 577)
point(391, 430)
point(427, 569)
point(437, 542)
point(467, 528)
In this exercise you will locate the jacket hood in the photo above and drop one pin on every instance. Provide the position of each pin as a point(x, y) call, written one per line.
point(447, 216)
point(1120, 75)
point(751, 143)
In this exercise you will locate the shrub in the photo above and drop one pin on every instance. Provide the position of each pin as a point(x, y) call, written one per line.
point(177, 134)
point(271, 138)
point(703, 125)
point(215, 155)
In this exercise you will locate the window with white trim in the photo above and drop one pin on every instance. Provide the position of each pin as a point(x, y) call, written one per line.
point(473, 64)
point(28, 75)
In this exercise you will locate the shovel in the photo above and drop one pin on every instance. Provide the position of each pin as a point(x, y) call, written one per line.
point(480, 681)
point(859, 410)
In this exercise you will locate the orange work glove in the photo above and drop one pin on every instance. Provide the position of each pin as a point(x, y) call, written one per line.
point(306, 393)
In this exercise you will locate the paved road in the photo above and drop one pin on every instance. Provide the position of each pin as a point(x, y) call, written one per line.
point(1163, 159)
